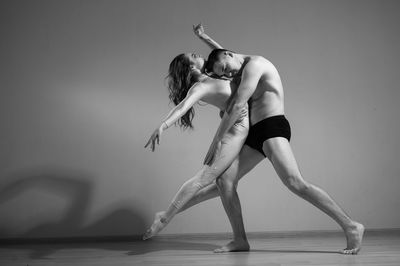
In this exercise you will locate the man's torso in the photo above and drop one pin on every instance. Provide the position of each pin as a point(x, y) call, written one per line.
point(268, 98)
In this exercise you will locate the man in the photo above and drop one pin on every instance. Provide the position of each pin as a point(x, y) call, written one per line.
point(269, 136)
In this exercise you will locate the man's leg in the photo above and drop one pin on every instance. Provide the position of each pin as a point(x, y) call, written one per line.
point(227, 183)
point(279, 152)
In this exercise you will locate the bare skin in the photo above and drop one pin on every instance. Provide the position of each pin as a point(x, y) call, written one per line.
point(261, 81)
point(269, 94)
point(217, 93)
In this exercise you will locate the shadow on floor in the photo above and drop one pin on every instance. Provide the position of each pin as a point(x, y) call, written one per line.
point(149, 246)
point(76, 187)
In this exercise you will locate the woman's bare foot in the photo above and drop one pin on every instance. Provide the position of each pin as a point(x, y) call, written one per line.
point(354, 238)
point(234, 246)
point(159, 223)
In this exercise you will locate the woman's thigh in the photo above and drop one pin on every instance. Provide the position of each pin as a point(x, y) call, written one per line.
point(247, 159)
point(230, 147)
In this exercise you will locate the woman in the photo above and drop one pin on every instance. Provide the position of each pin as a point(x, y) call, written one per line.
point(187, 85)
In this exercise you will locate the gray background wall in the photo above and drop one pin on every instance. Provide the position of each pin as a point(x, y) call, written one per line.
point(82, 88)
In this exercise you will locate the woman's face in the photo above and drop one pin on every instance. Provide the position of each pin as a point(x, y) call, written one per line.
point(196, 60)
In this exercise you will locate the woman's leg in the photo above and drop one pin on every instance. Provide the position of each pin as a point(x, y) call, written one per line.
point(209, 192)
point(230, 147)
point(248, 160)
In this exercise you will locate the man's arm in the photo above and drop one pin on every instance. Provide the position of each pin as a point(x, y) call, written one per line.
point(251, 75)
point(199, 32)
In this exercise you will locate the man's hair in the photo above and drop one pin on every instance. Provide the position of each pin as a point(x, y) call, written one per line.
point(212, 58)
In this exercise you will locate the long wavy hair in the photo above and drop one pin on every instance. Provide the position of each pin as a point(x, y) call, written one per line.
point(179, 80)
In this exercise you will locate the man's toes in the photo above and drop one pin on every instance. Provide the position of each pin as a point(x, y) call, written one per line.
point(218, 250)
point(349, 251)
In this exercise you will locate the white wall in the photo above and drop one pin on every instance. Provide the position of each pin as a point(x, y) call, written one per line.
point(82, 89)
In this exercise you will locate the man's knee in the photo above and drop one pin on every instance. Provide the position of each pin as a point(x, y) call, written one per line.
point(296, 183)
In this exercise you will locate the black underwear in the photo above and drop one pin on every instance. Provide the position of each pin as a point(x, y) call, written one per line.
point(271, 127)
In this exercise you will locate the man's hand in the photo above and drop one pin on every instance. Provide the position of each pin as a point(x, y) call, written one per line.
point(212, 153)
point(156, 136)
point(199, 30)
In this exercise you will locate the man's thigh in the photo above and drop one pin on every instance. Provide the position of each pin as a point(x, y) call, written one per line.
point(280, 154)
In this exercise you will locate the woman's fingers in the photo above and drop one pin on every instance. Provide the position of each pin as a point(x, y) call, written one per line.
point(148, 142)
point(152, 141)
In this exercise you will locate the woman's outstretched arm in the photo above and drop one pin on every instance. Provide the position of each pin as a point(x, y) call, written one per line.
point(199, 32)
point(195, 94)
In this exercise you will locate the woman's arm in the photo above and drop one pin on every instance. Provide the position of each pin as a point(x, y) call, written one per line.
point(199, 32)
point(195, 94)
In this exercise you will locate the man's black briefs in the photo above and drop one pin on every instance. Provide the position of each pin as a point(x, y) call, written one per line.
point(271, 127)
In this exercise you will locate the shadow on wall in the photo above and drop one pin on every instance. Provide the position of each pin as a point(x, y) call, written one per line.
point(76, 187)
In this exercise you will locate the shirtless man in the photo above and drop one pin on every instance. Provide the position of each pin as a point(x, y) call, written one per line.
point(269, 136)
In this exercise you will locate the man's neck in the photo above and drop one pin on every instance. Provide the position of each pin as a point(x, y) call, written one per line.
point(241, 58)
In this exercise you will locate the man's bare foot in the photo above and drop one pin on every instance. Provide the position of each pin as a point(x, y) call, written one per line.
point(234, 246)
point(159, 223)
point(354, 238)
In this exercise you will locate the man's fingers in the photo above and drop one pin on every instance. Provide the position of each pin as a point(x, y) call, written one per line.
point(208, 158)
point(211, 160)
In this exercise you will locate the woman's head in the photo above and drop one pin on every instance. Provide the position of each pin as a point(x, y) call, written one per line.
point(184, 71)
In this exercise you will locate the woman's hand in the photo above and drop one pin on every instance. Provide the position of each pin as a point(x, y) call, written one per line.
point(156, 136)
point(199, 30)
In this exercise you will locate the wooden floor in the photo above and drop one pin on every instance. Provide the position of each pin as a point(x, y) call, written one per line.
point(319, 249)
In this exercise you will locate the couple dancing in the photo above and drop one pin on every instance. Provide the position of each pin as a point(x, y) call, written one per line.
point(248, 91)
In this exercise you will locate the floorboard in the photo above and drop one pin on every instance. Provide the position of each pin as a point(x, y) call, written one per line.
point(381, 249)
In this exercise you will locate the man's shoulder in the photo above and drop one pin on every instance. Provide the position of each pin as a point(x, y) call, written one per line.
point(261, 63)
point(260, 59)
point(256, 62)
